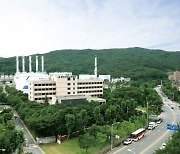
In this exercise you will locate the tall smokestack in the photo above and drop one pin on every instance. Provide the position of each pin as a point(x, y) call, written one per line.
point(36, 63)
point(23, 64)
point(17, 64)
point(95, 67)
point(42, 61)
point(30, 67)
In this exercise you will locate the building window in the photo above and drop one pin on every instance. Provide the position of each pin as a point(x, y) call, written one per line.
point(69, 84)
point(69, 93)
point(73, 83)
point(73, 78)
point(68, 78)
point(73, 92)
point(69, 88)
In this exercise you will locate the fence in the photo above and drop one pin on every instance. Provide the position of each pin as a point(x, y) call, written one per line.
point(46, 139)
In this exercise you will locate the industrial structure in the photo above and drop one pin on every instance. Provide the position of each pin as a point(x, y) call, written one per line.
point(61, 86)
point(21, 79)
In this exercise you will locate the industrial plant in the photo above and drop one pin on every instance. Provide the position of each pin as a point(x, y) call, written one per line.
point(58, 86)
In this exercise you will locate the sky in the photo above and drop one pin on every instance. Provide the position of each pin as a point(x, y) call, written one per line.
point(38, 26)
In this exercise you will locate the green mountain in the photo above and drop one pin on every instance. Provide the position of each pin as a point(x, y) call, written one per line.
point(130, 62)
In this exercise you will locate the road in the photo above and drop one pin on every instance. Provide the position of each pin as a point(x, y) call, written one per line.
point(30, 143)
point(154, 138)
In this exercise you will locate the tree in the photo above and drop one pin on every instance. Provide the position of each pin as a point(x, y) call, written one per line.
point(10, 125)
point(108, 115)
point(94, 129)
point(19, 139)
point(101, 138)
point(70, 121)
point(46, 101)
point(57, 102)
point(3, 98)
point(85, 141)
point(97, 114)
point(83, 117)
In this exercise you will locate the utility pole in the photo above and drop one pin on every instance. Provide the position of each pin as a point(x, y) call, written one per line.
point(147, 114)
point(112, 138)
point(112, 134)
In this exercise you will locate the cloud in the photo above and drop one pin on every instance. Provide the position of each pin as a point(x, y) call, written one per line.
point(29, 27)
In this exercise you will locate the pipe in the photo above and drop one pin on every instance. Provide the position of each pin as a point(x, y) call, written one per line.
point(42, 61)
point(23, 64)
point(30, 67)
point(95, 67)
point(36, 63)
point(17, 64)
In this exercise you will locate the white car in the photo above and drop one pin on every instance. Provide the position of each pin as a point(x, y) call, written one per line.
point(151, 127)
point(127, 141)
point(163, 146)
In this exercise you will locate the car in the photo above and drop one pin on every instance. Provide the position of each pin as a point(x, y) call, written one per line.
point(163, 146)
point(151, 127)
point(15, 117)
point(127, 141)
point(159, 121)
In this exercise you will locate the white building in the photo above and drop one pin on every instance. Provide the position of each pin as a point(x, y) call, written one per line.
point(105, 77)
point(121, 79)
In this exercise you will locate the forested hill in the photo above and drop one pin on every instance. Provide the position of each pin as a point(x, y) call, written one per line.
point(131, 62)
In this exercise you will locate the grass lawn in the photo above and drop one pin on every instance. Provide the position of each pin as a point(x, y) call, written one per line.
point(70, 146)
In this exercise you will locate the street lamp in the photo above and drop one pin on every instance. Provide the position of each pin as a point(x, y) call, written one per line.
point(147, 114)
point(173, 96)
point(112, 134)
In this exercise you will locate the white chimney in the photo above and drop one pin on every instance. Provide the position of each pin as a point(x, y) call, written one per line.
point(42, 61)
point(36, 63)
point(17, 64)
point(95, 67)
point(23, 64)
point(30, 67)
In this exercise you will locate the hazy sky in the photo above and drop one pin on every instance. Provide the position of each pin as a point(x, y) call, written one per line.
point(39, 26)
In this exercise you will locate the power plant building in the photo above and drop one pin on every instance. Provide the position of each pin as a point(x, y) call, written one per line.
point(59, 86)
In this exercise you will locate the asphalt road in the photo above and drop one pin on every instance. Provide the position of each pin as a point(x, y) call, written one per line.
point(154, 138)
point(30, 144)
point(20, 126)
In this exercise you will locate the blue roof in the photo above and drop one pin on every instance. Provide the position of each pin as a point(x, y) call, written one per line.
point(25, 87)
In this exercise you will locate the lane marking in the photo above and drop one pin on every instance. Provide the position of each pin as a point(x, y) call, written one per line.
point(154, 142)
point(173, 119)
